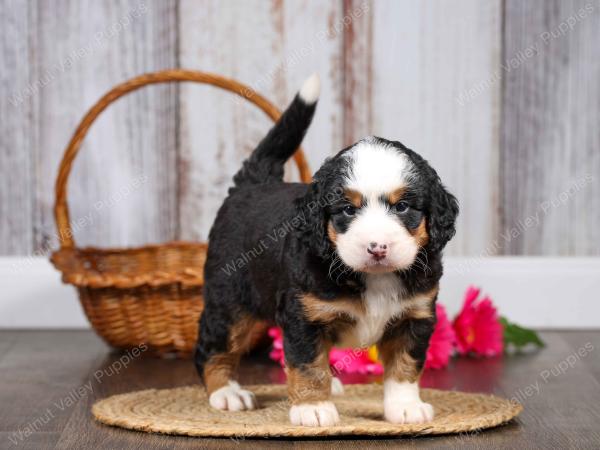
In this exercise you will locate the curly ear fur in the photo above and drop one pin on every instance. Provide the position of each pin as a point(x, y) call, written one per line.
point(313, 209)
point(441, 217)
point(442, 208)
point(314, 228)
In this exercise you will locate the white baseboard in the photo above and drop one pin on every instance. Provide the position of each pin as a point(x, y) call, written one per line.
point(33, 296)
point(532, 291)
point(536, 292)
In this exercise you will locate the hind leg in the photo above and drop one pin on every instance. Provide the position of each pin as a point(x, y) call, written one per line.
point(223, 338)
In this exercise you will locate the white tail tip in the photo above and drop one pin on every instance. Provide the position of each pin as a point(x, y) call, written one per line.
point(309, 92)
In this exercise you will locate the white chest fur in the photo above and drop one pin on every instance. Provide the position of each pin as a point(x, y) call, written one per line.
point(383, 302)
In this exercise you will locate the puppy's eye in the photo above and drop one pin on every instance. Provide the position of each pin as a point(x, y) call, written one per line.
point(401, 207)
point(349, 210)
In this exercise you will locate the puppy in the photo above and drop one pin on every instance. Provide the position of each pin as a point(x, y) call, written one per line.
point(352, 259)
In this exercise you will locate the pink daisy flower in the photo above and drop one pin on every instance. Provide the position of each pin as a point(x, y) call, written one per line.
point(355, 361)
point(477, 327)
point(276, 353)
point(442, 341)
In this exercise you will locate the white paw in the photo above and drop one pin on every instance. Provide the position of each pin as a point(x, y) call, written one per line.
point(322, 414)
point(402, 403)
point(232, 398)
point(337, 388)
point(408, 412)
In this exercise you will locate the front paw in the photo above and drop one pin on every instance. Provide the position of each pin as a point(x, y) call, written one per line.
point(408, 412)
point(321, 414)
point(232, 398)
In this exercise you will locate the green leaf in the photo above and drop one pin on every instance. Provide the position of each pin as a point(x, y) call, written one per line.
point(518, 336)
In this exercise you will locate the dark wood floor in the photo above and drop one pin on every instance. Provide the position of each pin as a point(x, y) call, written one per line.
point(50, 379)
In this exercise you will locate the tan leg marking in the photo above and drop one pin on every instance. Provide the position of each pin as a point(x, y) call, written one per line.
point(222, 368)
point(312, 382)
point(394, 352)
point(398, 363)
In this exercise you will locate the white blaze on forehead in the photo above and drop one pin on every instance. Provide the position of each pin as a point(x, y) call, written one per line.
point(377, 169)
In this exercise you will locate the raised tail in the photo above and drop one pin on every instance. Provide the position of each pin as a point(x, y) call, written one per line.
point(266, 162)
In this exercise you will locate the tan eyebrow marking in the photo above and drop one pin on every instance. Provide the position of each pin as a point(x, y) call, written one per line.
point(396, 195)
point(354, 197)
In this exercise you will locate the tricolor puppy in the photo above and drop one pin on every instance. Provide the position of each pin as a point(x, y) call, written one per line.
point(352, 259)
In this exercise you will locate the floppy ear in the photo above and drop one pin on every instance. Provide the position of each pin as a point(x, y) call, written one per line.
point(312, 208)
point(313, 229)
point(443, 209)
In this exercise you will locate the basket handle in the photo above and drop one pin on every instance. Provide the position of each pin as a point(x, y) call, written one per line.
point(61, 208)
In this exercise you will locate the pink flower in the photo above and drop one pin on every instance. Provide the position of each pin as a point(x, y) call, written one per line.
point(341, 360)
point(477, 327)
point(276, 353)
point(442, 341)
point(355, 361)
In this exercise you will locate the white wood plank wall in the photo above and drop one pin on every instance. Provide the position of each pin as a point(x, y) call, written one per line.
point(506, 131)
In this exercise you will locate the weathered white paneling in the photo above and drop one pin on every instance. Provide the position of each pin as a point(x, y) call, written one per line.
point(271, 46)
point(122, 190)
point(313, 42)
point(16, 178)
point(551, 134)
point(358, 71)
point(412, 66)
point(429, 74)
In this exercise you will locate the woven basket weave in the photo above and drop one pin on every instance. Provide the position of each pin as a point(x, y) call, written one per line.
point(150, 295)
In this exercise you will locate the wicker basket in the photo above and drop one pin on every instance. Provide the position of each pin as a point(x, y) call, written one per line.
point(150, 295)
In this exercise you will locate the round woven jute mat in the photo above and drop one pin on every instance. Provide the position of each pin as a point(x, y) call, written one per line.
point(185, 411)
